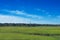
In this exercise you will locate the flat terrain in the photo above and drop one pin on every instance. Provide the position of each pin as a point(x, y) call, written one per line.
point(29, 33)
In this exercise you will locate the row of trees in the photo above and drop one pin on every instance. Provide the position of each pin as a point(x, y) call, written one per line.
point(24, 24)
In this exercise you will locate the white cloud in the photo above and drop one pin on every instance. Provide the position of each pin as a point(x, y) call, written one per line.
point(14, 19)
point(24, 14)
point(28, 15)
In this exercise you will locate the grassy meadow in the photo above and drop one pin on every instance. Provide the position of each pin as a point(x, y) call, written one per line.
point(29, 33)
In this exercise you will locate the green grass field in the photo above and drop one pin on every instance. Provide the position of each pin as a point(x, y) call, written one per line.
point(29, 33)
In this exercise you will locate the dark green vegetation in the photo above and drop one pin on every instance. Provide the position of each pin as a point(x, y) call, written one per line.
point(29, 33)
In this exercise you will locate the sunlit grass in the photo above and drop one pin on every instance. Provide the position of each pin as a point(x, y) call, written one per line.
point(18, 36)
point(41, 30)
point(22, 33)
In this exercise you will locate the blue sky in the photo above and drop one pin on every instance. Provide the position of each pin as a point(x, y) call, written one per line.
point(26, 11)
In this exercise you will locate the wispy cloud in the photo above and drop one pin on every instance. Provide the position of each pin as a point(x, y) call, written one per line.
point(58, 16)
point(40, 10)
point(17, 19)
point(49, 15)
point(14, 19)
point(24, 14)
point(44, 12)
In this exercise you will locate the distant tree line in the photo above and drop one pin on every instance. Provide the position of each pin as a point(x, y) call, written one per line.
point(29, 25)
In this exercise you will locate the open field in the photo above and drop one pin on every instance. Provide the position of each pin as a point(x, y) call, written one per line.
point(29, 33)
